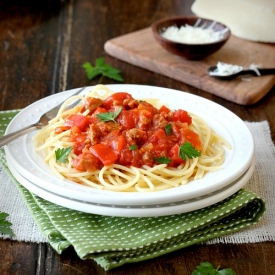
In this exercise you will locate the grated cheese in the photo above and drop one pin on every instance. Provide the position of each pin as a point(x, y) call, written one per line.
point(226, 69)
point(192, 34)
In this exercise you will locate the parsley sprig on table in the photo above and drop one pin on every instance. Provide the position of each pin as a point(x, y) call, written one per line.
point(207, 268)
point(102, 68)
point(61, 155)
point(109, 116)
point(5, 225)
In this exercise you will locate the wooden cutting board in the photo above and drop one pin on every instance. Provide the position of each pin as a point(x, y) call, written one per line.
point(140, 48)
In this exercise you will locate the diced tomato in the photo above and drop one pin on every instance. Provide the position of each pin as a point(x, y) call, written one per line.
point(192, 137)
point(115, 140)
point(164, 109)
point(116, 99)
point(182, 116)
point(86, 162)
point(78, 147)
point(156, 136)
point(79, 143)
point(81, 138)
point(184, 134)
point(80, 121)
point(175, 157)
point(160, 150)
point(113, 134)
point(160, 143)
point(125, 157)
point(117, 144)
point(130, 158)
point(104, 153)
point(100, 110)
point(177, 128)
point(75, 131)
point(128, 119)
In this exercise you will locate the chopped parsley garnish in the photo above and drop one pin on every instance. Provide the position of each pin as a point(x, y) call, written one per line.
point(5, 225)
point(168, 129)
point(61, 155)
point(206, 268)
point(188, 150)
point(109, 116)
point(133, 147)
point(102, 68)
point(163, 160)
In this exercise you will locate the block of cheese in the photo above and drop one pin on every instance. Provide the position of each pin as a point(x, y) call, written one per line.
point(247, 19)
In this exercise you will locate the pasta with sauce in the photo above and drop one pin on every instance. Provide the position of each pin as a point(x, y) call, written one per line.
point(115, 142)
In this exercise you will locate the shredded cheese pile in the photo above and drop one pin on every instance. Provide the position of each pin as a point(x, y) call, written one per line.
point(192, 34)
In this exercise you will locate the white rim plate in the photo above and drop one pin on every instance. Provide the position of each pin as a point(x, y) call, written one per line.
point(31, 166)
point(137, 210)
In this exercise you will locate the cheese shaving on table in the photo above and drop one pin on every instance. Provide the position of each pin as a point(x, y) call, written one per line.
point(192, 34)
point(226, 69)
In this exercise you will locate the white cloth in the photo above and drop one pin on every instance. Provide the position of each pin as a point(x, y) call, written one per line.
point(262, 183)
point(11, 202)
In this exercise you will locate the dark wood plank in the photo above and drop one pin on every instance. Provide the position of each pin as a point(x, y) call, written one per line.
point(31, 39)
point(244, 259)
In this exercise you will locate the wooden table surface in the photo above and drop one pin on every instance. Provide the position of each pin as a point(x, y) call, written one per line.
point(43, 45)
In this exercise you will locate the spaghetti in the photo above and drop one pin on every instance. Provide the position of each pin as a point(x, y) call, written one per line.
point(115, 142)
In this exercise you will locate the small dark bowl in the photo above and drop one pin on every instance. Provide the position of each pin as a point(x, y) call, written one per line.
point(189, 51)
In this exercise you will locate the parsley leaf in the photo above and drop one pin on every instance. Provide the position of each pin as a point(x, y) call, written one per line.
point(133, 147)
point(102, 68)
point(61, 155)
point(188, 150)
point(5, 225)
point(168, 129)
point(163, 160)
point(109, 116)
point(207, 268)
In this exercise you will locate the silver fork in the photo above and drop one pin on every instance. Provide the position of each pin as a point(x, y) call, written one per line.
point(43, 121)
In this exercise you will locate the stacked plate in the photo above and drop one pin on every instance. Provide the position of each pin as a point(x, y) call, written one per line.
point(34, 174)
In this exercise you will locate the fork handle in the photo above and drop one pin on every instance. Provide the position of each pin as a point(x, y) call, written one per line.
point(10, 137)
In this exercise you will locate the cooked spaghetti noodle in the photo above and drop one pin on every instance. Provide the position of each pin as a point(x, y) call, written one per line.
point(147, 174)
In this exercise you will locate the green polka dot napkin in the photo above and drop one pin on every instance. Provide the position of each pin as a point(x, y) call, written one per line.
point(114, 241)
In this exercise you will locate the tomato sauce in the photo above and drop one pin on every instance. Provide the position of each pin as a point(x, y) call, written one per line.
point(129, 132)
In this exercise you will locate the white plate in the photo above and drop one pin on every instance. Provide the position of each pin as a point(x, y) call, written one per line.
point(137, 210)
point(30, 164)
